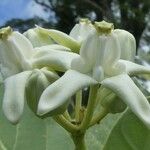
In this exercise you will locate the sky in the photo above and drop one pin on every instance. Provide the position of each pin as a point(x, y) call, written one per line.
point(21, 9)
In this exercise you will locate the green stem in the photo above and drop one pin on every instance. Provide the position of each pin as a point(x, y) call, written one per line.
point(62, 121)
point(78, 105)
point(79, 141)
point(90, 108)
point(103, 112)
point(67, 116)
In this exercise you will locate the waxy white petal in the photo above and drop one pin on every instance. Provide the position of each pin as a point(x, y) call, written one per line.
point(38, 38)
point(22, 43)
point(124, 87)
point(135, 69)
point(81, 31)
point(54, 47)
point(110, 55)
point(14, 95)
point(50, 74)
point(58, 93)
point(15, 52)
point(127, 44)
point(88, 53)
point(57, 60)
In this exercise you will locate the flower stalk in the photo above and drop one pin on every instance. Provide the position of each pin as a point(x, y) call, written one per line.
point(79, 141)
point(90, 108)
point(78, 105)
point(62, 121)
point(96, 119)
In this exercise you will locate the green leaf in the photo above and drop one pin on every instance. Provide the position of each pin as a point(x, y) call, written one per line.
point(128, 134)
point(97, 135)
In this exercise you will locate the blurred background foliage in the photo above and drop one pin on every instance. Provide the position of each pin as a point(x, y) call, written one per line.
point(131, 15)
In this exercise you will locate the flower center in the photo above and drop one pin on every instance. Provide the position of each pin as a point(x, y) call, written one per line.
point(103, 27)
point(5, 32)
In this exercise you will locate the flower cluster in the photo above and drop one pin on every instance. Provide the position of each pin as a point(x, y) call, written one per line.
point(92, 54)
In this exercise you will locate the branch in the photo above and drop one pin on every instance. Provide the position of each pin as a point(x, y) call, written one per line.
point(94, 5)
point(43, 4)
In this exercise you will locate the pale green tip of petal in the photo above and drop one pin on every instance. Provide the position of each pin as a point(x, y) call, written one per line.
point(5, 32)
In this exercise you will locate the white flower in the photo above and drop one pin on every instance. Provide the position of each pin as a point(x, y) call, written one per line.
point(100, 62)
point(17, 62)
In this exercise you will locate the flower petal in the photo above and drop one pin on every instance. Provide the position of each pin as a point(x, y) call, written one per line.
point(135, 69)
point(54, 47)
point(37, 38)
point(88, 53)
point(111, 48)
point(58, 93)
point(81, 31)
point(127, 44)
point(36, 84)
point(15, 52)
point(62, 38)
point(51, 75)
point(13, 100)
point(57, 60)
point(22, 43)
point(125, 88)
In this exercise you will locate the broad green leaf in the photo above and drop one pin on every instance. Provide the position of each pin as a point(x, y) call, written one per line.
point(128, 134)
point(58, 138)
point(97, 135)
